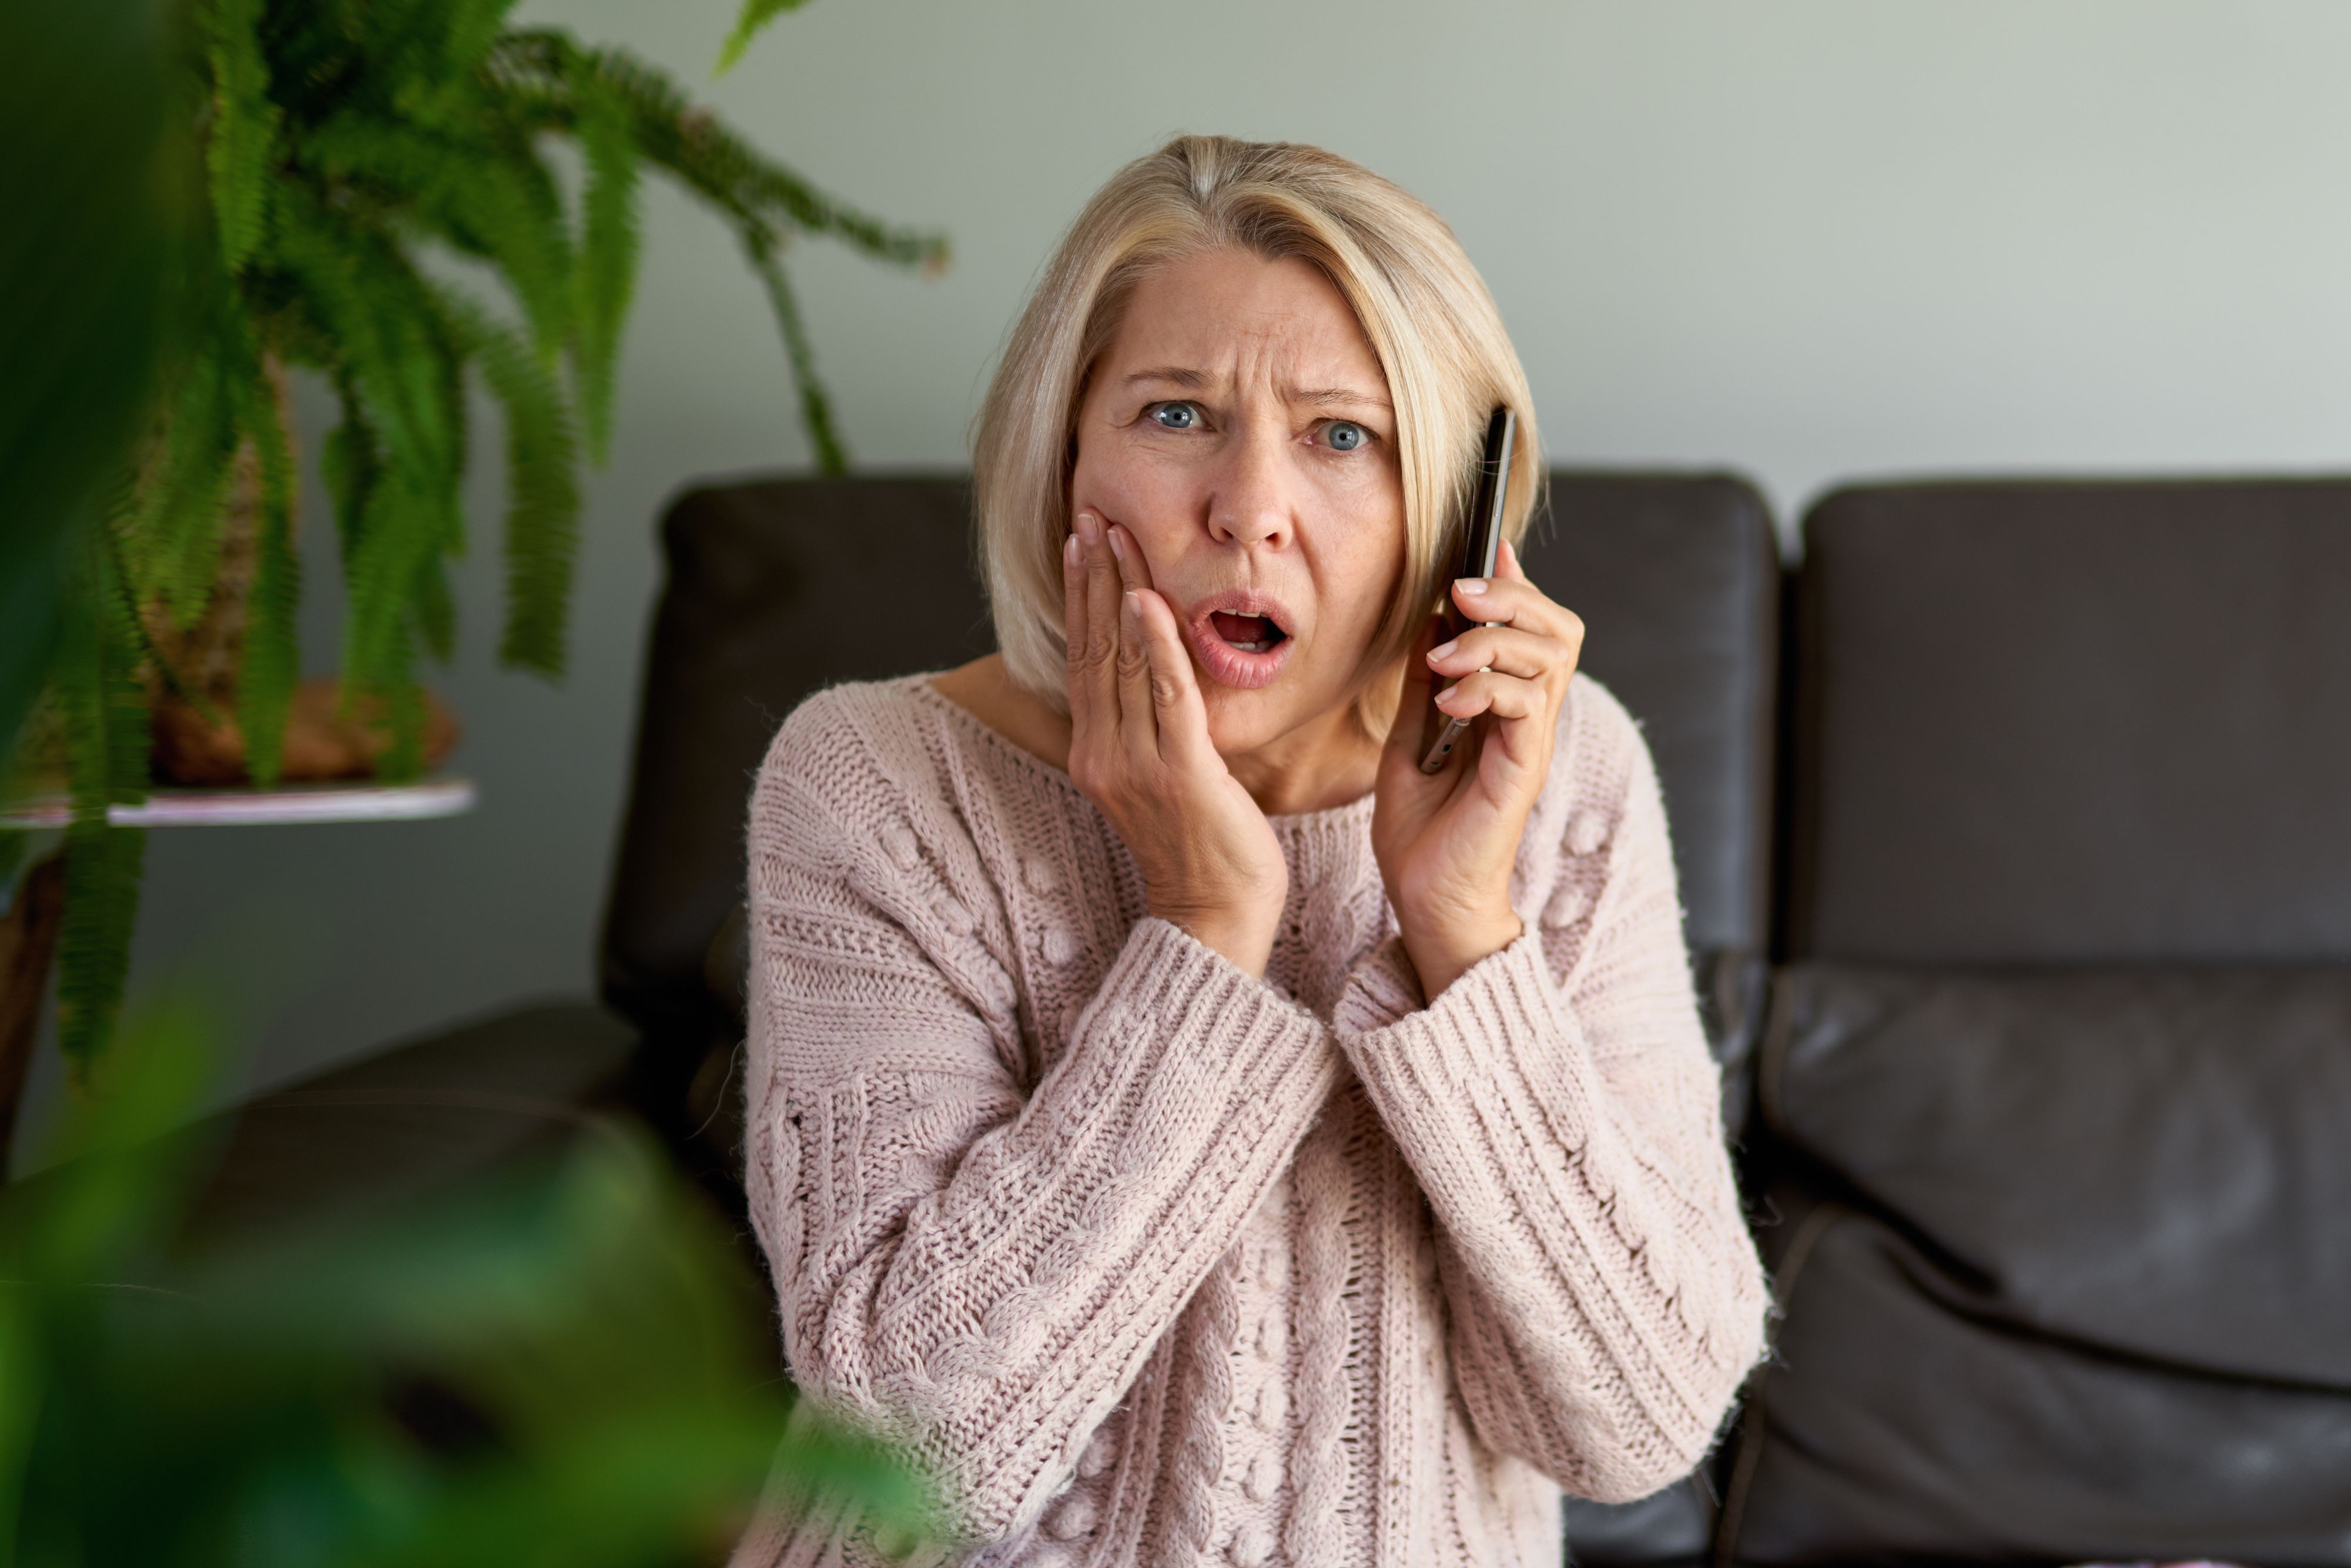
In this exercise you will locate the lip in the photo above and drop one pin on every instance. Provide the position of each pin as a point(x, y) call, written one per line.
point(1230, 666)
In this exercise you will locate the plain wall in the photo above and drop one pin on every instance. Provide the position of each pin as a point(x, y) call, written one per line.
point(1811, 240)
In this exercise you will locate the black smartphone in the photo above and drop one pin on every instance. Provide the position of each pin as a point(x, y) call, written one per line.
point(1481, 542)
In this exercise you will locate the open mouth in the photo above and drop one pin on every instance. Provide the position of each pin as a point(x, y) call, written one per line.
point(1249, 633)
point(1239, 639)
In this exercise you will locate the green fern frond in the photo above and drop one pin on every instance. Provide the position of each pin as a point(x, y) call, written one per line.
point(725, 169)
point(756, 13)
point(401, 531)
point(486, 194)
point(816, 409)
point(349, 462)
point(548, 81)
point(608, 258)
point(403, 371)
point(770, 188)
point(107, 741)
point(176, 526)
point(385, 321)
point(399, 536)
point(103, 876)
point(404, 713)
point(122, 646)
point(436, 611)
point(542, 532)
point(272, 660)
point(238, 141)
point(472, 28)
point(146, 656)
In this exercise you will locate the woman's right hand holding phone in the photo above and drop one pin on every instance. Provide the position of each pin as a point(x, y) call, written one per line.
point(1139, 749)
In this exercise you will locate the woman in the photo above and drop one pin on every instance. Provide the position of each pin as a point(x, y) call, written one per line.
point(1191, 1131)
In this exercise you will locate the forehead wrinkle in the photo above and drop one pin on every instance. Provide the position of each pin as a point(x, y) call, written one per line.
point(1301, 368)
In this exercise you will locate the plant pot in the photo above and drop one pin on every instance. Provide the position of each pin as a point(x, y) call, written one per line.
point(320, 743)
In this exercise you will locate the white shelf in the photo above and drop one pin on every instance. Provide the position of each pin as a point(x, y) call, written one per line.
point(262, 808)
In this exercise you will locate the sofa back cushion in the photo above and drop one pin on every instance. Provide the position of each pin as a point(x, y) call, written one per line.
point(774, 588)
point(1677, 578)
point(2071, 722)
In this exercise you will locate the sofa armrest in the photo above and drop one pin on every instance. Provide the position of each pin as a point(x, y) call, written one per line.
point(412, 1122)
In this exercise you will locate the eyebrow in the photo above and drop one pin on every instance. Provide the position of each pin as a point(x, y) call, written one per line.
point(1174, 375)
point(1321, 397)
point(1324, 397)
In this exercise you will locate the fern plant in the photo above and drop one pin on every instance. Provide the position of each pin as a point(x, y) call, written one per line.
point(344, 145)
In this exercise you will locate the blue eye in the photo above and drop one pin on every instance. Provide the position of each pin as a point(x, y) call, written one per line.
point(1346, 435)
point(1176, 415)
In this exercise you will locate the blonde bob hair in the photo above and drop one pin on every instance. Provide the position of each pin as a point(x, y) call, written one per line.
point(1423, 309)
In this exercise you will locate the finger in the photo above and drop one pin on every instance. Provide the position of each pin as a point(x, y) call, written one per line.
point(1180, 715)
point(1138, 729)
point(1514, 601)
point(1098, 659)
point(1075, 631)
point(1134, 572)
point(1138, 722)
point(1507, 697)
point(1525, 655)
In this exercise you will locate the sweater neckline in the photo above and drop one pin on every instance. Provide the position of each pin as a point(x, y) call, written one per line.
point(1287, 825)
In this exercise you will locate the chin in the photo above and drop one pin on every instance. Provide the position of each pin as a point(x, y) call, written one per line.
point(1240, 722)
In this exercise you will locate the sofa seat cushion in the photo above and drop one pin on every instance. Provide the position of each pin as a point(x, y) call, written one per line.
point(2155, 1161)
point(2078, 1288)
point(1906, 1416)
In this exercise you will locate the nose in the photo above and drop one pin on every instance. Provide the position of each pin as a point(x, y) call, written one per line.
point(1251, 501)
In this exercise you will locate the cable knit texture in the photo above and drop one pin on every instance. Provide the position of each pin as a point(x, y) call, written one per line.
point(1146, 1260)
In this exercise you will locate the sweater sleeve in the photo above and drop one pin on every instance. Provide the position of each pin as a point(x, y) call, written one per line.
point(1560, 1110)
point(976, 1274)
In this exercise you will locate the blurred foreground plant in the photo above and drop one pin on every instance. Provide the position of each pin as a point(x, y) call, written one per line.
point(560, 1369)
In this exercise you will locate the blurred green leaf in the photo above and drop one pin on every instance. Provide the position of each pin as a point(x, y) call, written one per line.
point(83, 172)
point(562, 1365)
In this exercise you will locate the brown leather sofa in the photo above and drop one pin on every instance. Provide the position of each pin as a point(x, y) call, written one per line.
point(2019, 892)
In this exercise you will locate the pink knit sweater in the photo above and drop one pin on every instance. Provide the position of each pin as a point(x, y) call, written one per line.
point(1149, 1261)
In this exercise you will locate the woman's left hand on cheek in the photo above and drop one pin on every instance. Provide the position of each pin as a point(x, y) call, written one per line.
point(1446, 842)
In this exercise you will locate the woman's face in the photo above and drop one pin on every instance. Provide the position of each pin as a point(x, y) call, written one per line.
point(1239, 427)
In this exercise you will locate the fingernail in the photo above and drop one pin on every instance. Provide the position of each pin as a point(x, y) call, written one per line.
point(1090, 527)
point(1472, 586)
point(1117, 548)
point(1070, 550)
point(1132, 603)
point(1443, 653)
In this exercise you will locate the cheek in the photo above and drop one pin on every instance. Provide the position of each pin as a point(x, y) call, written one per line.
point(1366, 560)
point(1357, 575)
point(1127, 486)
